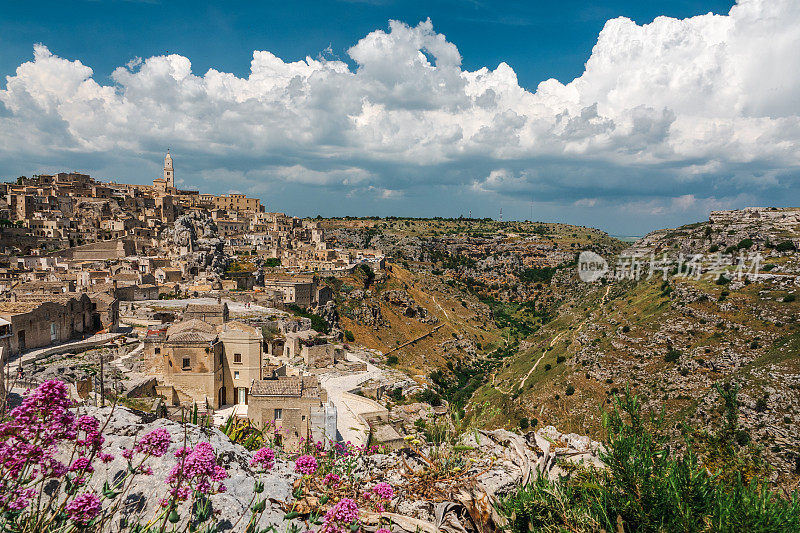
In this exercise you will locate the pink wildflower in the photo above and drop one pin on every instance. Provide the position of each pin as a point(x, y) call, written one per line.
point(81, 464)
point(383, 491)
point(155, 443)
point(21, 499)
point(305, 464)
point(383, 530)
point(345, 512)
point(331, 479)
point(84, 508)
point(264, 458)
point(198, 468)
point(88, 424)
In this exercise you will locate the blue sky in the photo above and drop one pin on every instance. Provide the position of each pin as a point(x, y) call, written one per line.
point(538, 39)
point(668, 119)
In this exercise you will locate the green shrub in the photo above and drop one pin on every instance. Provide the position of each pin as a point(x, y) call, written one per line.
point(761, 404)
point(396, 394)
point(392, 360)
point(742, 438)
point(626, 329)
point(786, 246)
point(560, 359)
point(570, 390)
point(348, 335)
point(430, 397)
point(713, 248)
point(672, 356)
point(547, 367)
point(789, 298)
point(523, 423)
point(745, 244)
point(646, 488)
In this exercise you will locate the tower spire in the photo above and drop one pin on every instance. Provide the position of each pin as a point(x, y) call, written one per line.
point(169, 172)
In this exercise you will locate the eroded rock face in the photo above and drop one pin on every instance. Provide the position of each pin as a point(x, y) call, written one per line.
point(197, 233)
point(329, 313)
point(408, 305)
point(370, 315)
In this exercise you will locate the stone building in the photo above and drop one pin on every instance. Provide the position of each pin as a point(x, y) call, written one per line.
point(215, 314)
point(320, 354)
point(237, 202)
point(288, 407)
point(107, 309)
point(187, 360)
point(298, 291)
point(51, 320)
point(197, 362)
point(243, 354)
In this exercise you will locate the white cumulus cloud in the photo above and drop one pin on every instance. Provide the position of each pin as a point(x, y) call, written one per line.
point(692, 110)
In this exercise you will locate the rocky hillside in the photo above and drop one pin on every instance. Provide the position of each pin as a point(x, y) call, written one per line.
point(455, 287)
point(671, 340)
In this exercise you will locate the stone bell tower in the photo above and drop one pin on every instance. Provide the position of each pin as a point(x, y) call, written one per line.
point(169, 173)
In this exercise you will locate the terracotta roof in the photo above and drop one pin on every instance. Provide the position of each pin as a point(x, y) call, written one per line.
point(291, 387)
point(126, 276)
point(191, 336)
point(17, 308)
point(40, 298)
point(190, 325)
point(102, 297)
point(285, 386)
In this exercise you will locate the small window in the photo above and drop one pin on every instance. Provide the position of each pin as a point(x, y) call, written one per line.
point(187, 364)
point(236, 375)
point(237, 358)
point(158, 351)
point(278, 414)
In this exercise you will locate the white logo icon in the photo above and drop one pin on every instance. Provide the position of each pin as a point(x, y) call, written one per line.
point(591, 266)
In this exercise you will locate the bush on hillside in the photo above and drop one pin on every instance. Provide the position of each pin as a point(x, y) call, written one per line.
point(672, 356)
point(646, 487)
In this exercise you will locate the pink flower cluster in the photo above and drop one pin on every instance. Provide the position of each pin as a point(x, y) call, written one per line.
point(264, 458)
point(344, 513)
point(383, 530)
point(306, 464)
point(331, 480)
point(30, 437)
point(383, 491)
point(198, 469)
point(155, 443)
point(84, 508)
